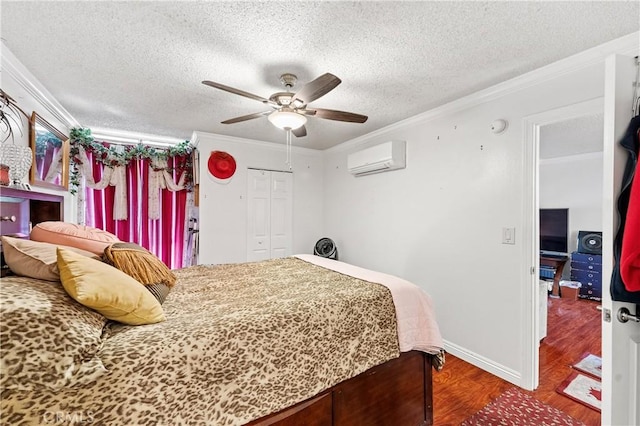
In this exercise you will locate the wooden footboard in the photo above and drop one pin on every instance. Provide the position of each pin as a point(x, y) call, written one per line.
point(397, 392)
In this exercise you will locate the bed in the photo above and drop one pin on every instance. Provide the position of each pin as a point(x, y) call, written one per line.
point(293, 341)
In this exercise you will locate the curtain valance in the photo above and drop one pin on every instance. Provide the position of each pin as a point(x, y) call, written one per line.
point(115, 159)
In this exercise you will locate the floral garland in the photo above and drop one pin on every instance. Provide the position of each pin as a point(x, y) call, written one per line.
point(110, 157)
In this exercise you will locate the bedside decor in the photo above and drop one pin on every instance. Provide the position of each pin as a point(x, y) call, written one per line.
point(16, 158)
point(4, 175)
point(10, 119)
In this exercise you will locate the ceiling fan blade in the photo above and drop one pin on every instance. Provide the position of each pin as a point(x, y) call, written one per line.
point(246, 117)
point(332, 114)
point(300, 131)
point(316, 88)
point(239, 92)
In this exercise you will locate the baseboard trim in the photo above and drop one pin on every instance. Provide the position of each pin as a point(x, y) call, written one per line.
point(486, 364)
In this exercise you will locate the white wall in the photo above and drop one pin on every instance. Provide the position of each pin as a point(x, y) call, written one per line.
point(439, 222)
point(574, 182)
point(31, 96)
point(223, 206)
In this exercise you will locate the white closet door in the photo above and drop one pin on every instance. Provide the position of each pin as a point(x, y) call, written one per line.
point(281, 214)
point(258, 215)
point(269, 214)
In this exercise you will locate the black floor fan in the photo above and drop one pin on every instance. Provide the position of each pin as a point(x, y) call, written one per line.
point(325, 247)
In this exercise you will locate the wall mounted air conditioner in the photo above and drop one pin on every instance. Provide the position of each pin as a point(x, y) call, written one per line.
point(379, 158)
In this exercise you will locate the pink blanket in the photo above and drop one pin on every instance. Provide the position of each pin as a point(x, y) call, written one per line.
point(417, 327)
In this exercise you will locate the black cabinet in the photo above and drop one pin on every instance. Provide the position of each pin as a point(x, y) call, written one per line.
point(587, 269)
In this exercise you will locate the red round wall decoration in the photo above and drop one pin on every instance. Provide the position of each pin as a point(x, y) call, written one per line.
point(221, 165)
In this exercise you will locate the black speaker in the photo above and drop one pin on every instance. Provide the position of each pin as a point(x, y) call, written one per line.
point(590, 242)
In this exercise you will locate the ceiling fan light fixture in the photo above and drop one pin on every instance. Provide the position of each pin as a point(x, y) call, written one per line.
point(287, 119)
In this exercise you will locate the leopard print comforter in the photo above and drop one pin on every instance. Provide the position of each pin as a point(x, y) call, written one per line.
point(241, 341)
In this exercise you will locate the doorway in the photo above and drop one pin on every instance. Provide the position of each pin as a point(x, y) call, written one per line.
point(570, 178)
point(556, 155)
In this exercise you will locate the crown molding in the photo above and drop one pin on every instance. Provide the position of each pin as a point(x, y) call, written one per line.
point(18, 72)
point(198, 137)
point(627, 45)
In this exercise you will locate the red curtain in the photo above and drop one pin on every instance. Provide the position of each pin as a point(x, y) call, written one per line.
point(165, 236)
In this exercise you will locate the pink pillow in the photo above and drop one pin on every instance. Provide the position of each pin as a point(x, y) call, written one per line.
point(87, 238)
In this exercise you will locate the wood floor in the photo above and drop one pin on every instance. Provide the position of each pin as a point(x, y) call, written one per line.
point(574, 329)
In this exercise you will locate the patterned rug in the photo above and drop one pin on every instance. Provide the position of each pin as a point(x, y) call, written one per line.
point(590, 364)
point(517, 408)
point(583, 389)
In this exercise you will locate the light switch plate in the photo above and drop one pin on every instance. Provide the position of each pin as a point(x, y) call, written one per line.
point(508, 235)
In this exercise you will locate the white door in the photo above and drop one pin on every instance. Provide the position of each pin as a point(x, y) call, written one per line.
point(281, 212)
point(269, 214)
point(258, 215)
point(620, 341)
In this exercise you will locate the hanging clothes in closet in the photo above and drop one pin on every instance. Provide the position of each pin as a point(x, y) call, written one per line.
point(625, 280)
point(630, 255)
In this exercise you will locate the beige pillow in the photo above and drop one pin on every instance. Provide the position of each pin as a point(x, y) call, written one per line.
point(34, 259)
point(109, 291)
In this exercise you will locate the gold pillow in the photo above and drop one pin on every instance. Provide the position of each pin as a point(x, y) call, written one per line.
point(107, 290)
point(34, 259)
point(139, 263)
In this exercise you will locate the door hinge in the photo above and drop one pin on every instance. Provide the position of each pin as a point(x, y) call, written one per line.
point(533, 270)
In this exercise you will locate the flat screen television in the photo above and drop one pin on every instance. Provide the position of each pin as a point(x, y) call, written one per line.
point(554, 231)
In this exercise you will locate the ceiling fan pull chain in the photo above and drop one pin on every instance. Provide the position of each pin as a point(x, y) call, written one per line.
point(289, 159)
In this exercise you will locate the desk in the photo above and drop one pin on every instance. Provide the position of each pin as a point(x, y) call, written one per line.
point(556, 263)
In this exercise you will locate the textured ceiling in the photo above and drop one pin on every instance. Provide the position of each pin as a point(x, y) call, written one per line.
point(580, 135)
point(138, 66)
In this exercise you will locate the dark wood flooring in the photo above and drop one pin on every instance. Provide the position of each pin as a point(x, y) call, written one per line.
point(574, 329)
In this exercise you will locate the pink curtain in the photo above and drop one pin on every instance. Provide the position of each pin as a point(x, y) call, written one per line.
point(163, 237)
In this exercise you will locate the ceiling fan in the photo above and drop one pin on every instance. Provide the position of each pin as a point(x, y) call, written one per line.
point(289, 110)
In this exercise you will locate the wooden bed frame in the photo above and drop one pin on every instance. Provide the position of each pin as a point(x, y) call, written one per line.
point(397, 392)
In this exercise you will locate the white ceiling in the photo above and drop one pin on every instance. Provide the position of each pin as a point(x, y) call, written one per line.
point(138, 66)
point(580, 135)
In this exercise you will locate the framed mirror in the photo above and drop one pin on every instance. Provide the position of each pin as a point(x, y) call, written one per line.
point(50, 147)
